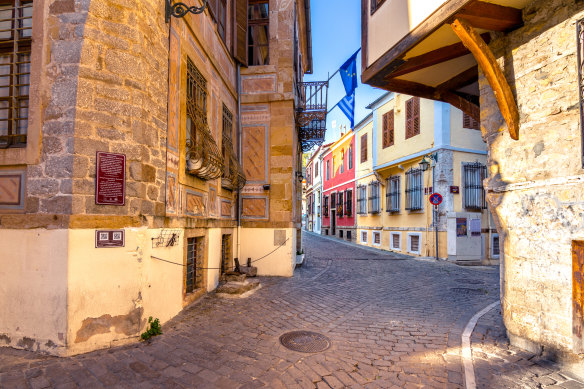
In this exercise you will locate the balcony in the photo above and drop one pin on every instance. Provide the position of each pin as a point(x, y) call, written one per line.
point(311, 113)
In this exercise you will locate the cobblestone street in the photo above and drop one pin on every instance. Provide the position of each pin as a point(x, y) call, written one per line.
point(392, 322)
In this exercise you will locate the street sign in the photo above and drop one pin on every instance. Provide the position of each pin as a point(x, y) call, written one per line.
point(436, 198)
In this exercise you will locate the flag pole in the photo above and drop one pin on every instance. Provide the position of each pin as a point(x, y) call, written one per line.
point(330, 79)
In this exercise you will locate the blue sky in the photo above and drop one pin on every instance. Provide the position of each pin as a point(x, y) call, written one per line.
point(336, 34)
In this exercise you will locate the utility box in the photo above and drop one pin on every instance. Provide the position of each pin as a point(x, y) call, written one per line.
point(464, 231)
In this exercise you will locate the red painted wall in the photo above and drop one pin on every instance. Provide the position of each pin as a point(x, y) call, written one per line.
point(340, 181)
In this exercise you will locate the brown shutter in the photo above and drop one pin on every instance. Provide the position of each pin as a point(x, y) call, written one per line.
point(469, 122)
point(409, 118)
point(364, 148)
point(385, 130)
point(213, 8)
point(240, 31)
point(416, 119)
point(390, 128)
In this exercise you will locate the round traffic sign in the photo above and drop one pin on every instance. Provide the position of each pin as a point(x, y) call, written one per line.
point(436, 198)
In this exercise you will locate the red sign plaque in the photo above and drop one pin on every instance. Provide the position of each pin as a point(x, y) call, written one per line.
point(110, 179)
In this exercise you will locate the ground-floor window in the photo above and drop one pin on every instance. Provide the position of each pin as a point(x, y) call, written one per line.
point(374, 206)
point(348, 202)
point(363, 236)
point(340, 233)
point(362, 199)
point(414, 242)
point(414, 190)
point(194, 278)
point(226, 253)
point(395, 241)
point(377, 238)
point(495, 246)
point(348, 235)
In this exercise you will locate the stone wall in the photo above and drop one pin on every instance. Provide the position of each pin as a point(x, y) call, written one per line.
point(536, 182)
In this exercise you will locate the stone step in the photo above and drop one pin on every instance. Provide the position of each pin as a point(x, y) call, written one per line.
point(237, 289)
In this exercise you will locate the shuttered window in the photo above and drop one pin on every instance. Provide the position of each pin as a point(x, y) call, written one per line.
point(240, 31)
point(392, 196)
point(333, 200)
point(258, 38)
point(388, 133)
point(326, 206)
point(414, 189)
point(412, 117)
point(469, 122)
point(340, 204)
point(349, 202)
point(364, 148)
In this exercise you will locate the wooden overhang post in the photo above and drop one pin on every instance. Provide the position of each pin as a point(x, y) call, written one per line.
point(486, 60)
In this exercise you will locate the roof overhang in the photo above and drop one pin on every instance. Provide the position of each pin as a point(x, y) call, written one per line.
point(438, 58)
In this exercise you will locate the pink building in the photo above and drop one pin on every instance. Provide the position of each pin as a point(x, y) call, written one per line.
point(338, 181)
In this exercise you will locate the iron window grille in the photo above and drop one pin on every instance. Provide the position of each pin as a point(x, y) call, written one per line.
point(15, 50)
point(392, 196)
point(474, 192)
point(340, 204)
point(194, 277)
point(374, 203)
point(349, 203)
point(362, 199)
point(226, 253)
point(414, 190)
point(333, 200)
point(326, 206)
point(258, 32)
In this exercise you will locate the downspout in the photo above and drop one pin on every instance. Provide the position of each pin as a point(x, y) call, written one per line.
point(240, 160)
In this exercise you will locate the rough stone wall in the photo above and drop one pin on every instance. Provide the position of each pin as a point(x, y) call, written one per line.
point(536, 182)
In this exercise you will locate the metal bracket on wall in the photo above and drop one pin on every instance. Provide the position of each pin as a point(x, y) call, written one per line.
point(178, 10)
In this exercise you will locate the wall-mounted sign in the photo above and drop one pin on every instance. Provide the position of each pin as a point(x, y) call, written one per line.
point(435, 199)
point(461, 226)
point(109, 238)
point(475, 227)
point(454, 189)
point(110, 179)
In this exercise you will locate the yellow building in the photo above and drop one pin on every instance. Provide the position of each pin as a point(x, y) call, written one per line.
point(407, 149)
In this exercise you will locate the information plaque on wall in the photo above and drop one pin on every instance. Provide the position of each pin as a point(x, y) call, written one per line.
point(111, 238)
point(110, 179)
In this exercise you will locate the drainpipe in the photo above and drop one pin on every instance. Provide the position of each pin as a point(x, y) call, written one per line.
point(435, 213)
point(239, 156)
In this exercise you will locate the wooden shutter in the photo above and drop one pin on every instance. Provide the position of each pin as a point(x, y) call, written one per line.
point(390, 126)
point(409, 118)
point(240, 31)
point(364, 148)
point(385, 130)
point(416, 118)
point(213, 8)
point(469, 122)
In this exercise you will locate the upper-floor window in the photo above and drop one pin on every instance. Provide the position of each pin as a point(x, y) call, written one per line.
point(334, 166)
point(362, 199)
point(348, 202)
point(469, 122)
point(374, 204)
point(393, 194)
point(388, 138)
point(227, 147)
point(222, 18)
point(412, 117)
point(342, 161)
point(15, 49)
point(316, 169)
point(350, 157)
point(258, 32)
point(474, 192)
point(340, 204)
point(325, 211)
point(414, 189)
point(328, 175)
point(196, 102)
point(375, 4)
point(364, 148)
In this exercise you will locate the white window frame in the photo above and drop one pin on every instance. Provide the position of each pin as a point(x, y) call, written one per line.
point(391, 246)
point(366, 234)
point(493, 236)
point(373, 233)
point(410, 234)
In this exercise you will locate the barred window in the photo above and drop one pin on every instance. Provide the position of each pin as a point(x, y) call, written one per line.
point(349, 202)
point(226, 253)
point(227, 144)
point(474, 192)
point(326, 206)
point(15, 49)
point(340, 204)
point(258, 32)
point(374, 203)
point(392, 196)
point(362, 199)
point(414, 189)
point(194, 277)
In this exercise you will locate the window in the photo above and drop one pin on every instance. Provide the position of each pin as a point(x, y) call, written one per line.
point(395, 241)
point(316, 169)
point(333, 200)
point(194, 278)
point(349, 202)
point(222, 18)
point(348, 235)
point(377, 238)
point(350, 157)
point(374, 204)
point(495, 253)
point(414, 239)
point(340, 204)
point(469, 122)
point(412, 117)
point(258, 32)
point(226, 253)
point(414, 189)
point(392, 196)
point(362, 199)
point(326, 206)
point(227, 148)
point(388, 138)
point(342, 161)
point(363, 236)
point(474, 192)
point(15, 48)
point(364, 148)
point(334, 167)
point(340, 233)
point(375, 4)
point(328, 170)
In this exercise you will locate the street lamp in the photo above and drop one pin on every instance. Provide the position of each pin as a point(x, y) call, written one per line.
point(427, 161)
point(178, 10)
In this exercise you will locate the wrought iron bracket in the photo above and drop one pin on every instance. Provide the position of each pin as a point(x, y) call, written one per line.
point(178, 10)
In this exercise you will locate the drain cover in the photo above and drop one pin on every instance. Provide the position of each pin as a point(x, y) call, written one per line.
point(305, 341)
point(469, 291)
point(470, 281)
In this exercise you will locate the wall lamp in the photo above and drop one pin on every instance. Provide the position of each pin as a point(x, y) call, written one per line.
point(427, 161)
point(178, 10)
point(299, 176)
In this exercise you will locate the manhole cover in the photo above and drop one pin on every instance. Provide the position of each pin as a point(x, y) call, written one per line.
point(469, 281)
point(305, 341)
point(469, 291)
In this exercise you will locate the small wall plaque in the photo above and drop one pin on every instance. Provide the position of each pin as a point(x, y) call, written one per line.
point(109, 238)
point(110, 179)
point(454, 189)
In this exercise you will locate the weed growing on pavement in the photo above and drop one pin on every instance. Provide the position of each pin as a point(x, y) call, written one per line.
point(154, 329)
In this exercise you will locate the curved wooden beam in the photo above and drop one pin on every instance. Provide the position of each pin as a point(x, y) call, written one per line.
point(486, 60)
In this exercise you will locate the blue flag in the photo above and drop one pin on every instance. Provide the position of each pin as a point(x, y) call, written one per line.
point(347, 105)
point(349, 74)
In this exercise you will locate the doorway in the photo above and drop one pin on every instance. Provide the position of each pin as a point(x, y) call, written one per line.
point(333, 223)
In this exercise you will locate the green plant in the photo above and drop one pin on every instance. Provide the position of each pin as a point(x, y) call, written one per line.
point(300, 252)
point(154, 329)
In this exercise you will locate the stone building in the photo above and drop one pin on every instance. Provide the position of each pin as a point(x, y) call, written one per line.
point(126, 138)
point(516, 66)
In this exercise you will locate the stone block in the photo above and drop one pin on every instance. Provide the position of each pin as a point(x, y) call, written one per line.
point(250, 271)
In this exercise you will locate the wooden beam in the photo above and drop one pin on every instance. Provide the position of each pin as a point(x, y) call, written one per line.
point(486, 60)
point(434, 57)
point(463, 79)
point(489, 16)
